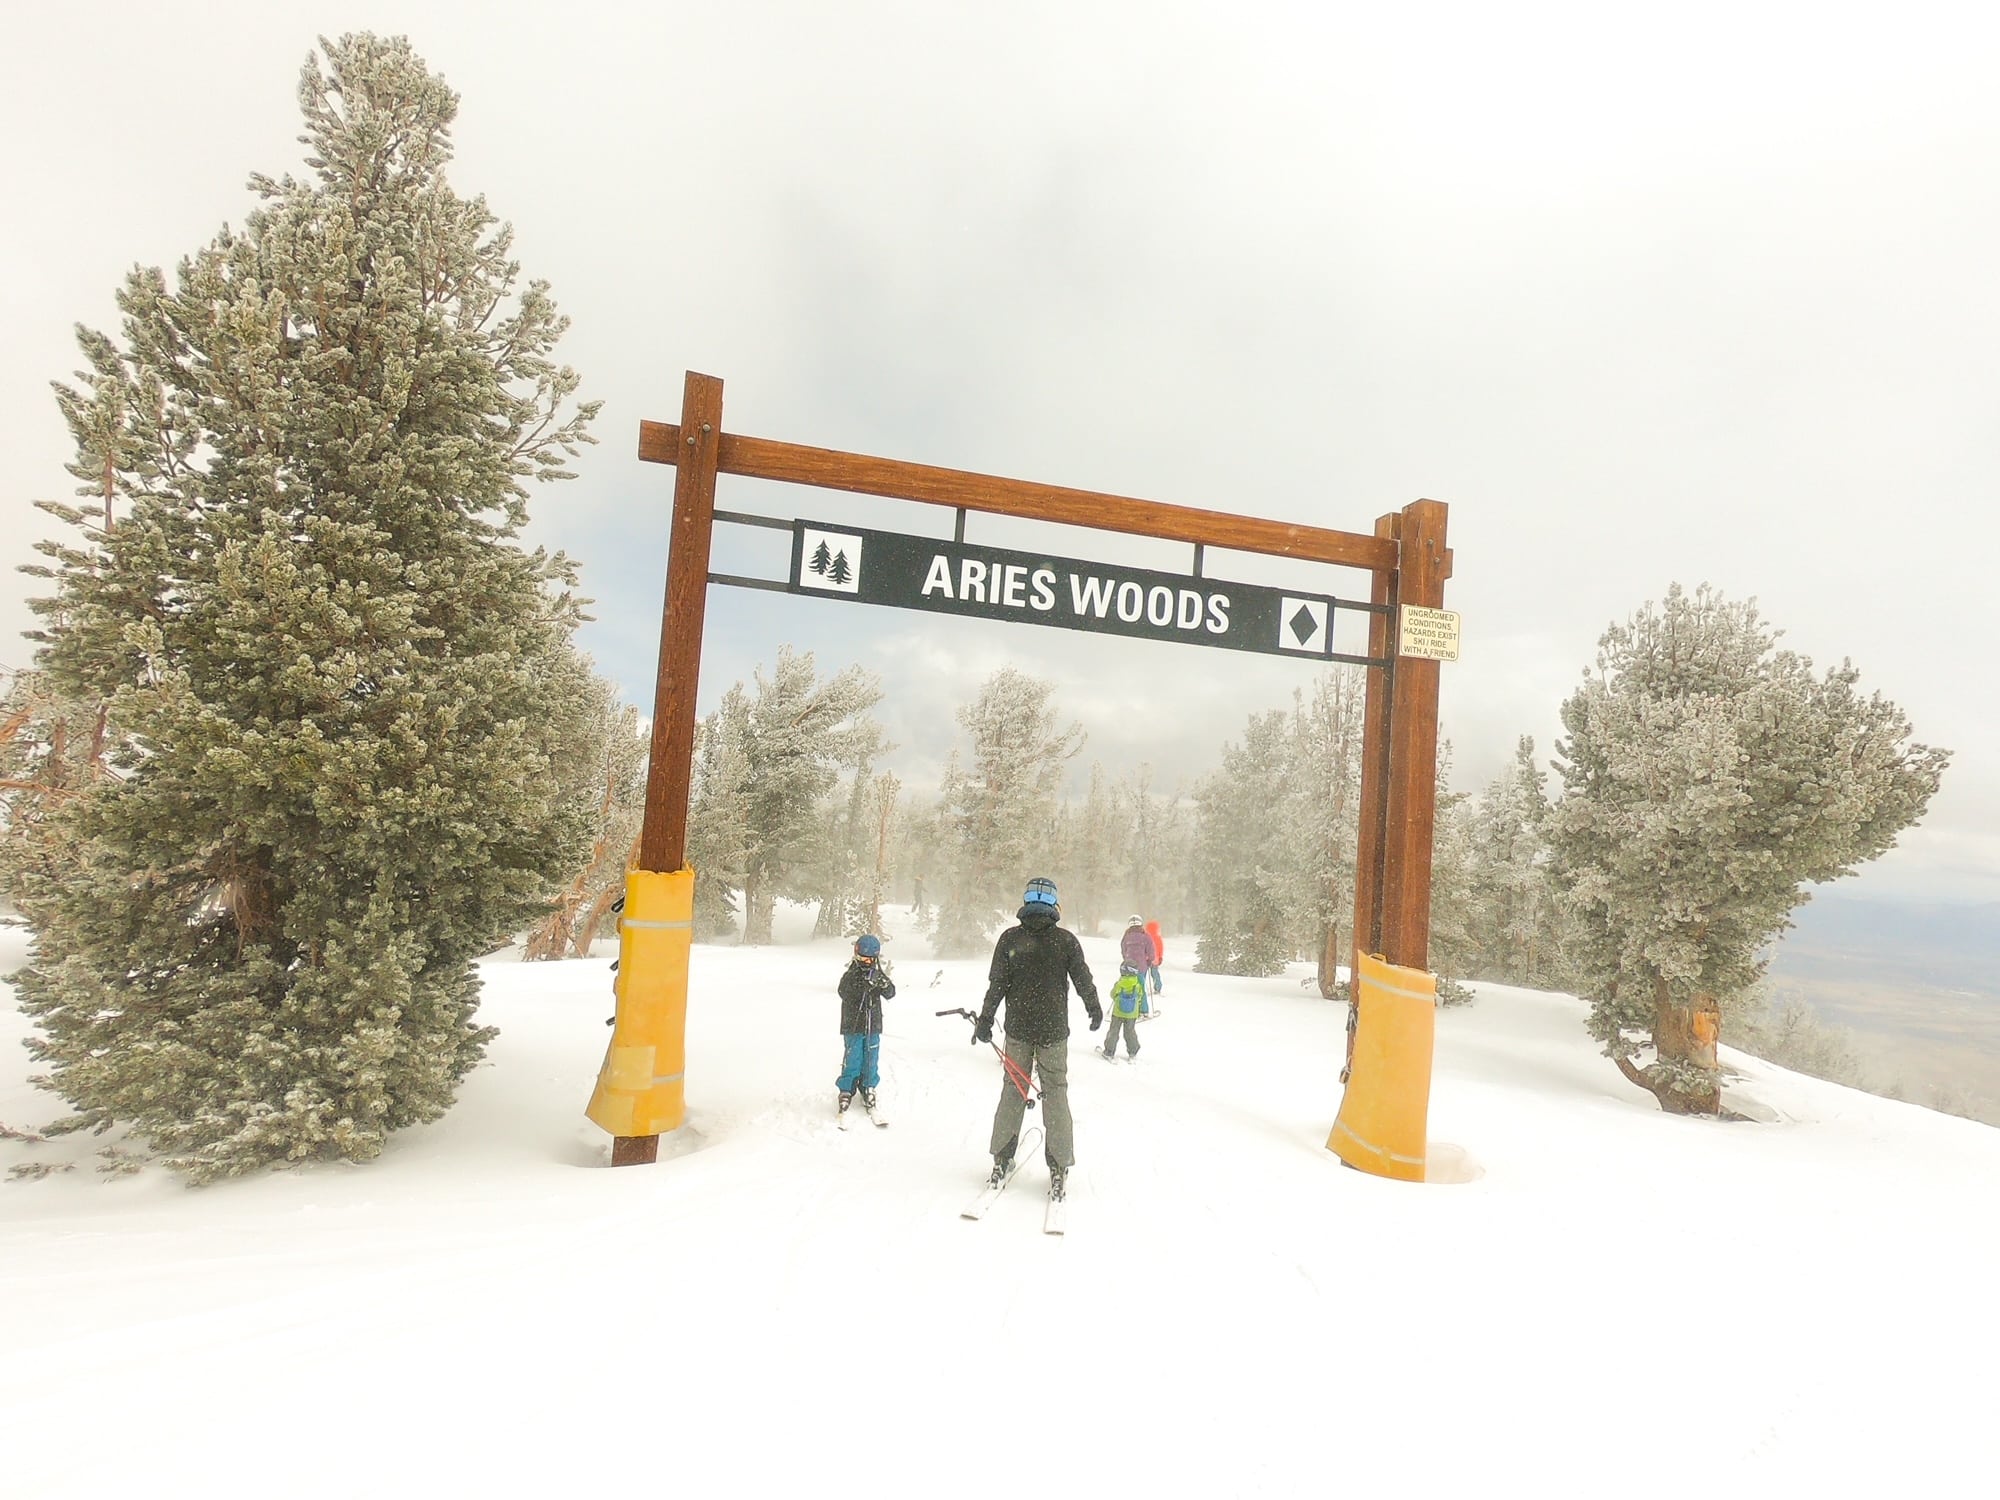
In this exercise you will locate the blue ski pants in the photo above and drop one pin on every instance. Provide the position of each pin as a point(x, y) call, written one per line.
point(861, 1060)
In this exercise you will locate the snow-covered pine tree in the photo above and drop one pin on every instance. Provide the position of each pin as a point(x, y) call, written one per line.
point(344, 675)
point(53, 747)
point(614, 778)
point(1100, 837)
point(926, 850)
point(1247, 849)
point(1327, 729)
point(882, 810)
point(1516, 923)
point(798, 736)
point(845, 882)
point(53, 743)
point(1148, 865)
point(1453, 910)
point(1707, 778)
point(717, 810)
point(999, 816)
point(1169, 823)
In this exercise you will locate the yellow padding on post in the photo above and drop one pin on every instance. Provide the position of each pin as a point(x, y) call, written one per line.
point(640, 1088)
point(1386, 1111)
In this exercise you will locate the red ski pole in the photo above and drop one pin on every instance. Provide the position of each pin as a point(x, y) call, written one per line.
point(1016, 1074)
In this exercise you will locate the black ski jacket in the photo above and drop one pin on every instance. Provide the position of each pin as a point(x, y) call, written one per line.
point(1034, 963)
point(863, 988)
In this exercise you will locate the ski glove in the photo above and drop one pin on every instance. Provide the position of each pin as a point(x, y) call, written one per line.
point(1096, 1019)
point(982, 1031)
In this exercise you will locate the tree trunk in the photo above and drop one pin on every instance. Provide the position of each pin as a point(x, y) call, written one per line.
point(1684, 1038)
point(1329, 960)
point(758, 905)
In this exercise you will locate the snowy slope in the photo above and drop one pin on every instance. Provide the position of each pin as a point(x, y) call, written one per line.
point(781, 1308)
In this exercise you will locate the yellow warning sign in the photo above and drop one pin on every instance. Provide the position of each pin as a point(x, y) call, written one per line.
point(1428, 633)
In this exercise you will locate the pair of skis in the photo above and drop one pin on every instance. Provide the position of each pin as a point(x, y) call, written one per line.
point(1053, 1217)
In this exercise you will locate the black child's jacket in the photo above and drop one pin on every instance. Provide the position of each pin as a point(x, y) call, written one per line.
point(863, 988)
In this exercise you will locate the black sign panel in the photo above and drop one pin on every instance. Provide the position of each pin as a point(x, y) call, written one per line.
point(959, 578)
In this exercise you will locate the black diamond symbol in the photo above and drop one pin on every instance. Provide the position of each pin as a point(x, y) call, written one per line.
point(1304, 626)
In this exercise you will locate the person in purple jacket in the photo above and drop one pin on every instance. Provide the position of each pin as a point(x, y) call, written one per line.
point(1136, 948)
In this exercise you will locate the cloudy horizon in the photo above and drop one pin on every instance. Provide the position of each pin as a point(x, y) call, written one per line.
point(1696, 297)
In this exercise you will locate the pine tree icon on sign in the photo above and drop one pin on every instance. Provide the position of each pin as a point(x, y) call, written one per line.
point(829, 560)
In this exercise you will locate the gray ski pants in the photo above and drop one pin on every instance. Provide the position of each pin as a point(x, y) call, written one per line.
point(1129, 1025)
point(1051, 1061)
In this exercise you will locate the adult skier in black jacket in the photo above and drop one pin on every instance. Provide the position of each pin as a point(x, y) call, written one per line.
point(1034, 963)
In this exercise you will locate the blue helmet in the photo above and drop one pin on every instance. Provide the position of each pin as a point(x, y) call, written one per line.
point(1041, 892)
point(868, 946)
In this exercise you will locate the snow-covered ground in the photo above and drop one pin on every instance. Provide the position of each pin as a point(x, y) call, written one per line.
point(1609, 1301)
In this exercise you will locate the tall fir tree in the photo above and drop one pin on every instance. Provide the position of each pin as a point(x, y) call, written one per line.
point(1707, 778)
point(1326, 730)
point(717, 834)
point(614, 778)
point(345, 679)
point(883, 811)
point(1100, 843)
point(1516, 922)
point(1147, 818)
point(1454, 908)
point(999, 817)
point(784, 748)
point(53, 748)
point(1246, 847)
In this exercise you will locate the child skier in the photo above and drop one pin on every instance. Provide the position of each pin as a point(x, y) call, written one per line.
point(863, 988)
point(1128, 994)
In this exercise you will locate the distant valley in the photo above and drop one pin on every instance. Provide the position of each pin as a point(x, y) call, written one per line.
point(1916, 987)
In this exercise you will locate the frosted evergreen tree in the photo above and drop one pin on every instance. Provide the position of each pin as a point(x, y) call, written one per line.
point(1455, 911)
point(1327, 731)
point(344, 678)
point(1707, 778)
point(1517, 926)
point(884, 808)
point(929, 852)
point(1247, 849)
point(798, 735)
point(718, 811)
point(1099, 846)
point(999, 815)
point(53, 748)
point(614, 779)
point(1148, 819)
point(836, 880)
point(853, 879)
point(54, 744)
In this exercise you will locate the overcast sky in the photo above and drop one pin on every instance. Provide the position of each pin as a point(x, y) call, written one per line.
point(1703, 296)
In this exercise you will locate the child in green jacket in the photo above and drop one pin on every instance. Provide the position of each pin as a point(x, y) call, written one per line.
point(1128, 996)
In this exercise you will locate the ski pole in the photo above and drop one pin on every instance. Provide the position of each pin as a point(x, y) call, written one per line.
point(1016, 1074)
